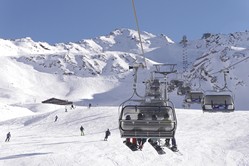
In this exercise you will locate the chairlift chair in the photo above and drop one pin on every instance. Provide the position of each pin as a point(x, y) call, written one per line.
point(221, 101)
point(218, 103)
point(183, 90)
point(194, 97)
point(154, 103)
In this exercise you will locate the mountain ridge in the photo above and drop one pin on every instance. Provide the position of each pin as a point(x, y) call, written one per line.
point(110, 56)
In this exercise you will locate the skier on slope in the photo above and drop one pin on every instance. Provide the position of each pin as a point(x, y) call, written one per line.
point(8, 137)
point(56, 118)
point(107, 134)
point(82, 130)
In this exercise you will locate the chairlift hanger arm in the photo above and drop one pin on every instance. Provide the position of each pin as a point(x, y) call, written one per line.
point(135, 68)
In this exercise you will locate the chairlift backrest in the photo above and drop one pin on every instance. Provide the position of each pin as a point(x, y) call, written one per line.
point(195, 94)
point(218, 99)
point(147, 112)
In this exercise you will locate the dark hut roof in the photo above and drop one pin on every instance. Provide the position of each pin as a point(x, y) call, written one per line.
point(57, 101)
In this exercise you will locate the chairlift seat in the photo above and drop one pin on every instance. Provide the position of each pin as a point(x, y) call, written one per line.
point(147, 128)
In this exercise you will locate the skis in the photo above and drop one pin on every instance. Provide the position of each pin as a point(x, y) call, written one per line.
point(130, 145)
point(158, 148)
point(134, 147)
point(175, 150)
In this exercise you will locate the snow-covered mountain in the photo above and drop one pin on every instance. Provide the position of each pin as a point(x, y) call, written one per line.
point(37, 69)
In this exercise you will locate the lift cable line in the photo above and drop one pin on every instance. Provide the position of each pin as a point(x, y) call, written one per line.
point(231, 66)
point(139, 34)
point(137, 64)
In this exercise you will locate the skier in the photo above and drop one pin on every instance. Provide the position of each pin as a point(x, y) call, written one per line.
point(173, 140)
point(154, 141)
point(127, 141)
point(107, 134)
point(82, 130)
point(89, 106)
point(8, 137)
point(56, 117)
point(140, 141)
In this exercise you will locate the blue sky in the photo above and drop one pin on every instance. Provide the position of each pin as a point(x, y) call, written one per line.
point(56, 21)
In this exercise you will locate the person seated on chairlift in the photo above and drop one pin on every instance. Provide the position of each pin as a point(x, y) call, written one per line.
point(140, 141)
point(154, 117)
point(128, 140)
point(154, 141)
point(173, 140)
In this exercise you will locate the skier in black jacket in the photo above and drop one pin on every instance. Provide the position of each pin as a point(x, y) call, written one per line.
point(82, 130)
point(107, 134)
point(8, 137)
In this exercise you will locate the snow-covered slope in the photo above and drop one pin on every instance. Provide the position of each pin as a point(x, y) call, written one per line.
point(203, 139)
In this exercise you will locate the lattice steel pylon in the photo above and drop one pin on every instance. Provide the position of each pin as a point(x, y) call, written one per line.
point(184, 54)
